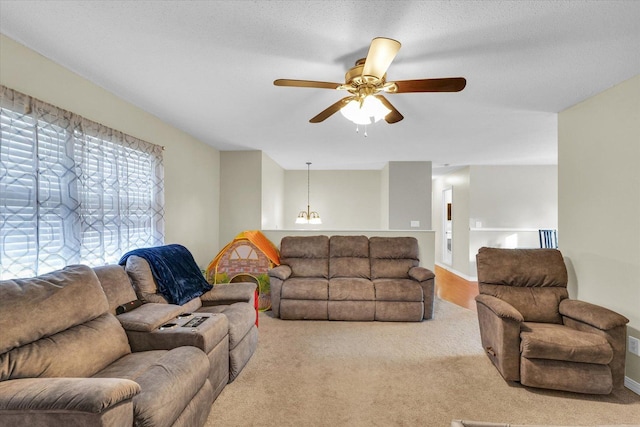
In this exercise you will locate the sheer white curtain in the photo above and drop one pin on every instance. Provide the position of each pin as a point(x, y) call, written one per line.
point(72, 190)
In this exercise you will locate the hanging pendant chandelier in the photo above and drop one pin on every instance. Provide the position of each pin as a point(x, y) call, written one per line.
point(308, 217)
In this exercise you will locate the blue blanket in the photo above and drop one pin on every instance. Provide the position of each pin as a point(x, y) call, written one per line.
point(176, 273)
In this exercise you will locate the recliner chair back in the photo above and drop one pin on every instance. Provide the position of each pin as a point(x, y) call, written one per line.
point(534, 281)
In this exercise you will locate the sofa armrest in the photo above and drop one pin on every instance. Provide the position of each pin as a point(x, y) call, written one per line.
point(277, 276)
point(500, 307)
point(149, 317)
point(591, 314)
point(230, 293)
point(92, 395)
point(421, 274)
point(282, 272)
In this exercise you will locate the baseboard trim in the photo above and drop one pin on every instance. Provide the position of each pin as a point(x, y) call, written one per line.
point(456, 272)
point(632, 385)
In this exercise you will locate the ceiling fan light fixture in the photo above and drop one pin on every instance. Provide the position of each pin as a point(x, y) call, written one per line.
point(371, 111)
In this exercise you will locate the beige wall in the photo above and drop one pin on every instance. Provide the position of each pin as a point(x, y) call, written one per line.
point(191, 167)
point(272, 194)
point(345, 200)
point(384, 197)
point(599, 201)
point(240, 193)
point(409, 195)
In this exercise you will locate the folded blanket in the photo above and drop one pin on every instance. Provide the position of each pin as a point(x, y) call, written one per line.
point(176, 273)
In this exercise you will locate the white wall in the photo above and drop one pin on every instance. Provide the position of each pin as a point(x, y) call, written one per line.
point(345, 200)
point(272, 194)
point(514, 196)
point(458, 182)
point(496, 206)
point(509, 204)
point(599, 202)
point(191, 168)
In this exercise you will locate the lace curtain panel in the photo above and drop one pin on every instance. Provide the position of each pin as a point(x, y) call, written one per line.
point(71, 190)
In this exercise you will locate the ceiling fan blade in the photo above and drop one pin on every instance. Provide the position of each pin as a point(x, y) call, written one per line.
point(452, 84)
point(394, 116)
point(381, 53)
point(332, 109)
point(306, 83)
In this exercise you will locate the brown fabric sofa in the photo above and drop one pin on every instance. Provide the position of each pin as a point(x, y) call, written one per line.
point(464, 423)
point(230, 328)
point(351, 278)
point(535, 334)
point(65, 360)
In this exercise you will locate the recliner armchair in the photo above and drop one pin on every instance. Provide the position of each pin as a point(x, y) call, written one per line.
point(533, 333)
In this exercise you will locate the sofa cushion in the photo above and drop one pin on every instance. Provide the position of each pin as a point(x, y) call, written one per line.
point(308, 256)
point(45, 305)
point(392, 257)
point(79, 351)
point(168, 380)
point(535, 304)
point(305, 288)
point(241, 318)
point(558, 342)
point(351, 289)
point(116, 285)
point(349, 256)
point(398, 290)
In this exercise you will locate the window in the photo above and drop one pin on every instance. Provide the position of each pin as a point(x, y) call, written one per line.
point(71, 190)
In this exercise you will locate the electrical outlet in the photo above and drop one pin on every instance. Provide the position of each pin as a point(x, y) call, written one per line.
point(634, 345)
point(415, 223)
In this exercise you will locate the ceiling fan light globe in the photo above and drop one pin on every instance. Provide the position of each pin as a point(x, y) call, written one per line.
point(353, 112)
point(372, 110)
point(375, 108)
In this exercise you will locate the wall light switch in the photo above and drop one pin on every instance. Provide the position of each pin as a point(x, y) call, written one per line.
point(634, 345)
point(415, 223)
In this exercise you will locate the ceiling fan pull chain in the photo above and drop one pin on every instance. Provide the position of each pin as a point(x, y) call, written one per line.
point(365, 131)
point(357, 129)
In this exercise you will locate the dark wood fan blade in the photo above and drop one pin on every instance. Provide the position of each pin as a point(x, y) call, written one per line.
point(332, 109)
point(306, 83)
point(452, 84)
point(394, 116)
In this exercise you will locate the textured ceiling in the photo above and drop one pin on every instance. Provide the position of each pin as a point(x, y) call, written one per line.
point(207, 67)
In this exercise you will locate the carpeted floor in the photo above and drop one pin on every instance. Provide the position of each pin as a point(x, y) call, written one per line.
point(312, 373)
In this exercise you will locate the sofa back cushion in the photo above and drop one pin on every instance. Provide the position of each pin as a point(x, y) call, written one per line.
point(57, 324)
point(534, 281)
point(116, 285)
point(349, 257)
point(392, 257)
point(308, 256)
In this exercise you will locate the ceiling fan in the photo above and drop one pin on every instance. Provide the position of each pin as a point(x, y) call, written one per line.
point(366, 82)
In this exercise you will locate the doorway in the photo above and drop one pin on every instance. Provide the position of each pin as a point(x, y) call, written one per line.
point(447, 226)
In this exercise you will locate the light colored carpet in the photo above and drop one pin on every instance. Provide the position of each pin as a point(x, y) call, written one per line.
point(317, 373)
